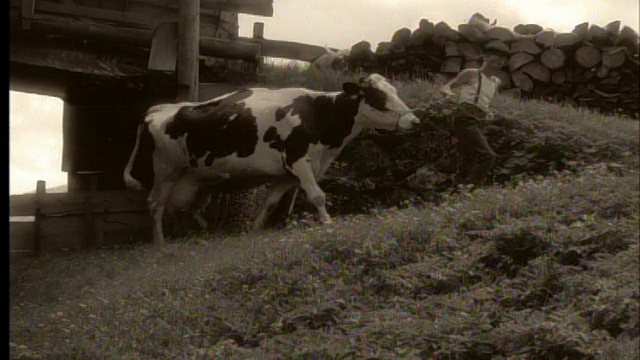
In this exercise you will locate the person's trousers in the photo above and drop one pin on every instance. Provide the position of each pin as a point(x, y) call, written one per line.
point(477, 155)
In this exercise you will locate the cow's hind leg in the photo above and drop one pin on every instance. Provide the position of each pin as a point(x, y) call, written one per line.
point(158, 207)
point(303, 171)
point(164, 181)
point(274, 194)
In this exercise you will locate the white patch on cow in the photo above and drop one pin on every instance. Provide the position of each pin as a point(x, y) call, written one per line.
point(285, 126)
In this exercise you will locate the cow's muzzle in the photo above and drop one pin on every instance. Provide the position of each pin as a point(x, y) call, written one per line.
point(407, 121)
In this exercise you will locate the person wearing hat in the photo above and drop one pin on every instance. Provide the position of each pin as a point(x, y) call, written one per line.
point(471, 91)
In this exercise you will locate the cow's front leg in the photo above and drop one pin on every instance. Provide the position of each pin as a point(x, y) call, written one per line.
point(198, 215)
point(274, 194)
point(203, 199)
point(303, 171)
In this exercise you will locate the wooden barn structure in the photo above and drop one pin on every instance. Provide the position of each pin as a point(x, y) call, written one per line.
point(109, 60)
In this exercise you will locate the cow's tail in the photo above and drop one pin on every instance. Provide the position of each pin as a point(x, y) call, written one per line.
point(129, 181)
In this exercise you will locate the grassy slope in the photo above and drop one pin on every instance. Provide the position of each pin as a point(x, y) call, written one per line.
point(402, 284)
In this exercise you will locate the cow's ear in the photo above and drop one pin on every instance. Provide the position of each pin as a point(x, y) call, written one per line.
point(351, 89)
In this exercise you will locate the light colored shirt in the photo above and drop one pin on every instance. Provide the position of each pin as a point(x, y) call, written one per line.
point(488, 88)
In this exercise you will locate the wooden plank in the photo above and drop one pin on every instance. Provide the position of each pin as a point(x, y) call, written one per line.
point(287, 49)
point(86, 61)
point(242, 49)
point(63, 232)
point(250, 7)
point(73, 203)
point(22, 205)
point(188, 50)
point(40, 80)
point(164, 47)
point(21, 236)
point(68, 231)
point(56, 25)
point(95, 13)
point(230, 49)
point(123, 228)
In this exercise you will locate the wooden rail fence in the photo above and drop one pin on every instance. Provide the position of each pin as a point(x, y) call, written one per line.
point(76, 220)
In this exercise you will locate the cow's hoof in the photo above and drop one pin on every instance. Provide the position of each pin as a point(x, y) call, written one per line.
point(326, 222)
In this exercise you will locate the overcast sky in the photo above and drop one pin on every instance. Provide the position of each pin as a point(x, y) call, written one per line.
point(36, 122)
point(342, 23)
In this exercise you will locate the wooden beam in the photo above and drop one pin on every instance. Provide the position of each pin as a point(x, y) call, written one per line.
point(188, 50)
point(287, 49)
point(73, 28)
point(87, 60)
point(250, 7)
point(40, 80)
point(230, 49)
point(223, 48)
point(94, 13)
point(22, 205)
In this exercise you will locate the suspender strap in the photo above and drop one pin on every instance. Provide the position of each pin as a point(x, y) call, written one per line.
point(475, 100)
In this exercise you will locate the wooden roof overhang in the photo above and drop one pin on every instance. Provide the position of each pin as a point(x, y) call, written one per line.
point(54, 43)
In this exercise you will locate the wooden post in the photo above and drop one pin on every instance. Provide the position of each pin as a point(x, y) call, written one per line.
point(188, 50)
point(28, 7)
point(41, 191)
point(90, 226)
point(258, 30)
point(258, 33)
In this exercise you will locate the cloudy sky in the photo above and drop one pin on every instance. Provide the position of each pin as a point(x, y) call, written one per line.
point(342, 23)
point(36, 121)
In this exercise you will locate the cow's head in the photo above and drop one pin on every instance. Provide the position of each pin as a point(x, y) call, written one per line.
point(380, 106)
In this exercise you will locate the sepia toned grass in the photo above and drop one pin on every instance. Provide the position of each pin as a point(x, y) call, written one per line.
point(540, 268)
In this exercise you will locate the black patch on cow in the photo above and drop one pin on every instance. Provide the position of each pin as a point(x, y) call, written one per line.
point(375, 98)
point(325, 119)
point(212, 127)
point(280, 114)
point(272, 138)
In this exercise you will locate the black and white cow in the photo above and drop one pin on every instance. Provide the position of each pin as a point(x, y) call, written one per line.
point(286, 137)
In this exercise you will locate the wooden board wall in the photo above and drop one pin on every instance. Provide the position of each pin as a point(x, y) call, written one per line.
point(78, 220)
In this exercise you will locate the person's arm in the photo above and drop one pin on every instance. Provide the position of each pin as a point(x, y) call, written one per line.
point(465, 77)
